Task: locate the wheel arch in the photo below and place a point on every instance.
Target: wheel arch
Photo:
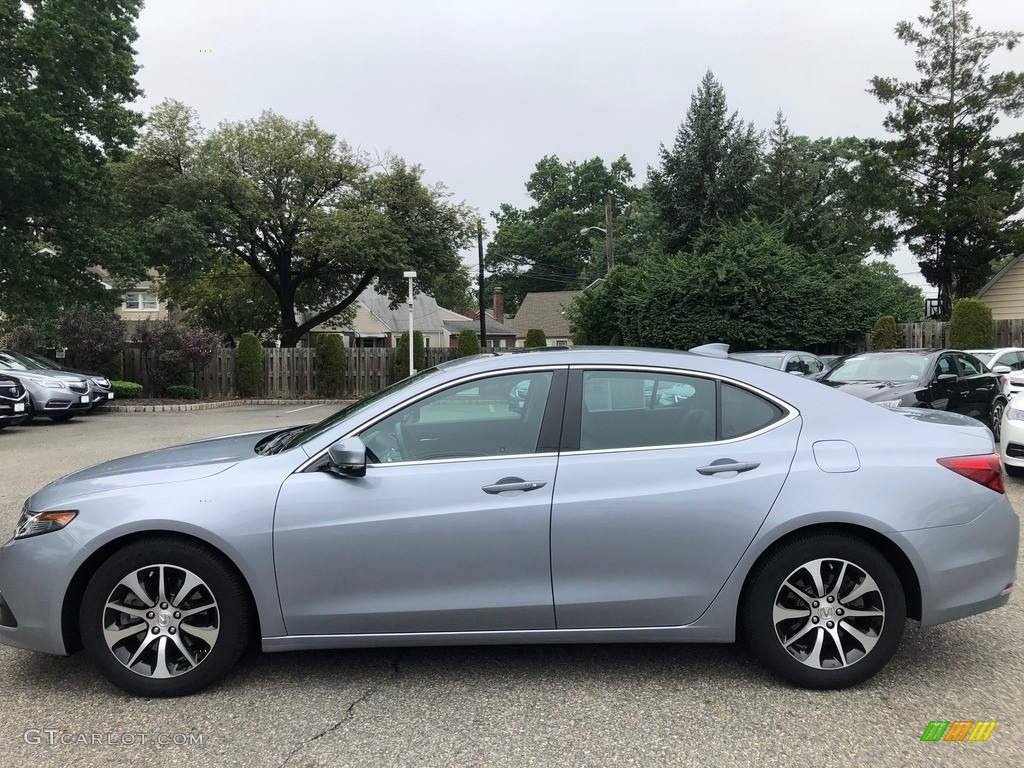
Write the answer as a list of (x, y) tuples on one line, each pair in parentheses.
[(886, 546), (69, 617)]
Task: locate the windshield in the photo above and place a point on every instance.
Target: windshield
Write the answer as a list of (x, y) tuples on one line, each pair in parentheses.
[(299, 435), (41, 361), (880, 367), (18, 362), (767, 359)]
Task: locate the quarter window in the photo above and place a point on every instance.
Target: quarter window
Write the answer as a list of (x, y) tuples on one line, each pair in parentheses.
[(499, 416), (744, 412)]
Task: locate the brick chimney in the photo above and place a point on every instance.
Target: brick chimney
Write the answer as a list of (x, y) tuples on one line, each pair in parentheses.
[(499, 305)]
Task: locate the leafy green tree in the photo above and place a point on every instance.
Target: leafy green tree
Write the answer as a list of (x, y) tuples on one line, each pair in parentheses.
[(22, 338), (970, 327), (535, 337), (419, 355), (287, 203), (468, 343), (250, 365), (706, 176), (67, 74), (543, 248), (885, 334), (955, 186), (330, 364)]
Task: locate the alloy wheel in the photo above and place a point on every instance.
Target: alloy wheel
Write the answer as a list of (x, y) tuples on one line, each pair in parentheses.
[(828, 614)]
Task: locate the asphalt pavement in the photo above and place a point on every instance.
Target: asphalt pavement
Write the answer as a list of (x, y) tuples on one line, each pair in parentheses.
[(593, 705)]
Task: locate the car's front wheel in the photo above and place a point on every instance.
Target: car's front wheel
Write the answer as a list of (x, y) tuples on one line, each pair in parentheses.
[(165, 617), (824, 611), (997, 419)]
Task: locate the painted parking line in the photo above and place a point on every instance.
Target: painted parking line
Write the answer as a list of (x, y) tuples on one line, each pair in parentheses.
[(304, 408)]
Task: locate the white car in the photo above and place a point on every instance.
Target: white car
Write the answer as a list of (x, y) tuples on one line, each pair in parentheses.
[(1011, 436), (1009, 362)]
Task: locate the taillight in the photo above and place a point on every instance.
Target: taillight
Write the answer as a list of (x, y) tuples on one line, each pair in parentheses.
[(986, 470)]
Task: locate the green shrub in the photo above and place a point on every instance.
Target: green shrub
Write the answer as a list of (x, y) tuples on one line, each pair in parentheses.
[(970, 326), (330, 364), (183, 391), (419, 354), (126, 389), (535, 337), (885, 334), (468, 344), (250, 365), (22, 338)]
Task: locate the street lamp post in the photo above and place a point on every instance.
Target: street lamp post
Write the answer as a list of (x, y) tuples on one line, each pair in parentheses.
[(609, 245), (410, 275)]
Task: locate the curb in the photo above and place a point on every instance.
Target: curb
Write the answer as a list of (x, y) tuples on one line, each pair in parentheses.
[(216, 404)]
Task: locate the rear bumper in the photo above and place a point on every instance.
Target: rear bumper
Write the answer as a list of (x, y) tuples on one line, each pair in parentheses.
[(965, 569)]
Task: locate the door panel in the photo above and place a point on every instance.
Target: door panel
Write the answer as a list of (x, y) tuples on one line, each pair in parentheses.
[(643, 538), (416, 548)]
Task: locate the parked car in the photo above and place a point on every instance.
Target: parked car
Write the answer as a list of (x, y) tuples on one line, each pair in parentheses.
[(13, 401), (1008, 362), (57, 394), (943, 379), (100, 390), (763, 506), (801, 363), (1011, 436)]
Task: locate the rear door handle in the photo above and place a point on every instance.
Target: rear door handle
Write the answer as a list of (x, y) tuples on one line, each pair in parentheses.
[(728, 465), (512, 484)]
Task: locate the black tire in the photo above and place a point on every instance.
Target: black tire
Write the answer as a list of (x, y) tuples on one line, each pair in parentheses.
[(842, 663), (61, 416), (1013, 471), (996, 418), (230, 616)]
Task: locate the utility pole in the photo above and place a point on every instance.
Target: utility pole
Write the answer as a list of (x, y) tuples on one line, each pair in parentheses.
[(409, 275), (609, 246), (480, 283)]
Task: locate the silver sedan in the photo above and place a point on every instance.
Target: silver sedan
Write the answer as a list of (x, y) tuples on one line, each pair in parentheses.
[(541, 497)]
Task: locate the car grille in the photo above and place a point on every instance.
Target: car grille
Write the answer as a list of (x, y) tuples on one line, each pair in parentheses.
[(1015, 450), (9, 390), (80, 387)]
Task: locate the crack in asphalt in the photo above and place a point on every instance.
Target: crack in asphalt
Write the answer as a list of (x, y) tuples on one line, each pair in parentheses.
[(350, 711)]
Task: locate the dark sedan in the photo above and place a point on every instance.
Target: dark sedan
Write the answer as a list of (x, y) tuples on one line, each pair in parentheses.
[(13, 402), (943, 379)]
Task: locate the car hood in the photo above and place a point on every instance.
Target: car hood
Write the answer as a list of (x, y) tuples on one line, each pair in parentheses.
[(38, 373), (190, 461), (874, 391)]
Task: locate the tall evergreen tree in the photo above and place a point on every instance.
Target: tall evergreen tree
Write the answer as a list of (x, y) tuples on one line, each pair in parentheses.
[(957, 185), (706, 176)]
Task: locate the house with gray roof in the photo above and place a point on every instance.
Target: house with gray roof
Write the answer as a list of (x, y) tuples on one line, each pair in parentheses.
[(547, 312)]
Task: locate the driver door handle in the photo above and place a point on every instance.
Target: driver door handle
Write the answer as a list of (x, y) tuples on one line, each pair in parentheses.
[(728, 465), (512, 484)]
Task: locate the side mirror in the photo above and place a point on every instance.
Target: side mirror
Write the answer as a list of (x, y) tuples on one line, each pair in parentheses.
[(1002, 369), (347, 458), (946, 378)]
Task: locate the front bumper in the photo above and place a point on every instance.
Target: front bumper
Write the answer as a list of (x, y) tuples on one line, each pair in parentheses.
[(34, 577), (13, 411), (100, 397), (45, 401), (965, 569)]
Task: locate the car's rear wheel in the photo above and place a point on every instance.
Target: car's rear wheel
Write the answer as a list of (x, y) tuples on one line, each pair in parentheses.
[(165, 617), (824, 611)]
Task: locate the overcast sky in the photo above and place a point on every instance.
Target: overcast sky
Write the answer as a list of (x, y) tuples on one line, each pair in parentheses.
[(477, 91)]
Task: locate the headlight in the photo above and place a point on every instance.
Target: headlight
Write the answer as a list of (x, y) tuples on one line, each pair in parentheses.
[(36, 523), (99, 380), (889, 403), (1016, 414), (51, 383)]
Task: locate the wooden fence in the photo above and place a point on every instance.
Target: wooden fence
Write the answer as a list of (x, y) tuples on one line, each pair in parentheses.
[(1006, 333), (288, 372)]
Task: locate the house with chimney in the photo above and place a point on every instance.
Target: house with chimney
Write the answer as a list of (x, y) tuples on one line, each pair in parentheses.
[(499, 335)]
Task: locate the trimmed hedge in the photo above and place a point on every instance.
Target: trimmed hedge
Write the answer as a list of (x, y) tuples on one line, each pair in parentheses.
[(535, 337), (183, 391), (250, 365), (126, 389), (885, 334), (330, 364), (970, 326), (468, 344)]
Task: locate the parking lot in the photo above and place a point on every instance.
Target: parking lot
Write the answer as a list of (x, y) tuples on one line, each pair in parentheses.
[(641, 705)]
